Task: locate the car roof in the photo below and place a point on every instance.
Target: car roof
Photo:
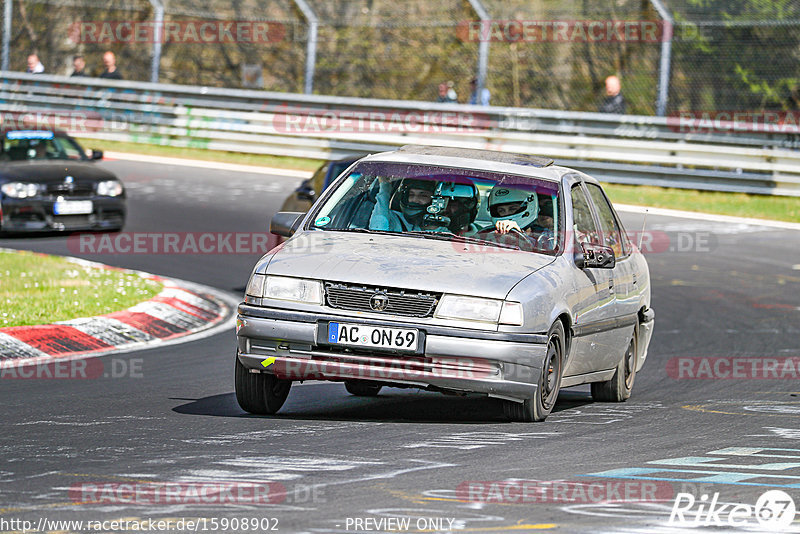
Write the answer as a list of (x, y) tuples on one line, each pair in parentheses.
[(470, 158)]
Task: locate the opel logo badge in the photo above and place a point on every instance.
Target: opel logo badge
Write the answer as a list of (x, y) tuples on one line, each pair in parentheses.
[(379, 302)]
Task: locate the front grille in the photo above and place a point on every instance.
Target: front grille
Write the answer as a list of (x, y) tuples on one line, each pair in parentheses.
[(400, 301), (68, 222), (70, 190)]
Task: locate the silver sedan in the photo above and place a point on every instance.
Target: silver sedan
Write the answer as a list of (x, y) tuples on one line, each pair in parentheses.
[(452, 270)]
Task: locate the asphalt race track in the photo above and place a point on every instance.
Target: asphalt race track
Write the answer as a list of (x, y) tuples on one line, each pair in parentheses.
[(338, 463)]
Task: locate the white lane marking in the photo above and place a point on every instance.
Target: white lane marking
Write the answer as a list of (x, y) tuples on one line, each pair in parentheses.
[(274, 468), (261, 435), (706, 216), (788, 433), (598, 414), (708, 227), (205, 164), (477, 440)]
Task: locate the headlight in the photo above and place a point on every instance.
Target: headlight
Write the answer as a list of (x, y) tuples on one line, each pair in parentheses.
[(20, 189), (109, 188), (285, 288), (478, 309), (255, 287)]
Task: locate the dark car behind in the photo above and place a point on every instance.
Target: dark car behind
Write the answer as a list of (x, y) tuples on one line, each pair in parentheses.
[(310, 189), (47, 183)]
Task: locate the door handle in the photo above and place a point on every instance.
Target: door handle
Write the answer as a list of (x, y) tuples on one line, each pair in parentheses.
[(611, 286)]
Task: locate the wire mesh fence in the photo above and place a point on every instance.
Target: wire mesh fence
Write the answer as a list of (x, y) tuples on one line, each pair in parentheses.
[(542, 53)]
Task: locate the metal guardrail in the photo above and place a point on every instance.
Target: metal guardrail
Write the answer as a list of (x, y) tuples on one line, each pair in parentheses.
[(614, 148)]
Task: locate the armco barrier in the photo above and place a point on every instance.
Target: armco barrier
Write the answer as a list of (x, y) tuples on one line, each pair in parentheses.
[(614, 148)]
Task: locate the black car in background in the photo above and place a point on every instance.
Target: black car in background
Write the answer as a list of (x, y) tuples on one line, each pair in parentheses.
[(47, 183), (310, 189)]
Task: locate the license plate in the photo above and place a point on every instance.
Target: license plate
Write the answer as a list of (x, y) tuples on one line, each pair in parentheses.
[(72, 207), (359, 335)]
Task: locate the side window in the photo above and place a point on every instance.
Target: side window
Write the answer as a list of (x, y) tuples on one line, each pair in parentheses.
[(318, 180), (584, 228), (610, 235), (65, 149)]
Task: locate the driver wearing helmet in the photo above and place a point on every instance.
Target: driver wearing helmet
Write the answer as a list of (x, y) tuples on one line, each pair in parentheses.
[(512, 209), (413, 198)]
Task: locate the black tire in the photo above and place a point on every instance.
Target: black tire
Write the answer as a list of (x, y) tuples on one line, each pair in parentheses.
[(543, 401), (260, 393), (619, 388), (362, 389)]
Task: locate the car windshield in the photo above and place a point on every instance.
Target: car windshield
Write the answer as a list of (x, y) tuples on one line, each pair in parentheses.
[(20, 148), (434, 202)]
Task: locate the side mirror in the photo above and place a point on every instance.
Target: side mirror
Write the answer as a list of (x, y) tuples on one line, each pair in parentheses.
[(595, 257), (304, 192), (97, 154), (285, 223)]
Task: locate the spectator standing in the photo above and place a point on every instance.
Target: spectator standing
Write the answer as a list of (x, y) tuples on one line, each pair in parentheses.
[(442, 93), (614, 102), (34, 65), (79, 66), (452, 96), (474, 98), (110, 63)]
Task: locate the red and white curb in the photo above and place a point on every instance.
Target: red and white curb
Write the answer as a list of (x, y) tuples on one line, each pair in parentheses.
[(182, 311)]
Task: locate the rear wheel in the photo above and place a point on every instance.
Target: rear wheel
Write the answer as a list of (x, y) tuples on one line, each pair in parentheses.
[(540, 406), (260, 393), (619, 388), (362, 389)]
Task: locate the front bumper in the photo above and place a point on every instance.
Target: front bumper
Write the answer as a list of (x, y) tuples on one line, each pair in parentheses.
[(36, 215), (451, 360)]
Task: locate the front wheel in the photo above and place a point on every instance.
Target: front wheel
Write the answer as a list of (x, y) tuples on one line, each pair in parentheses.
[(259, 393), (540, 406), (619, 388)]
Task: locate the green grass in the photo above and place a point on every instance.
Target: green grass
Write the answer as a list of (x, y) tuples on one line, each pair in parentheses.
[(39, 289), (264, 160), (738, 204)]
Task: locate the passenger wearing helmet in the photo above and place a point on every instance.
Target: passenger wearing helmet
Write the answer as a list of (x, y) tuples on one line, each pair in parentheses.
[(453, 208), (412, 197), (512, 209), (543, 226)]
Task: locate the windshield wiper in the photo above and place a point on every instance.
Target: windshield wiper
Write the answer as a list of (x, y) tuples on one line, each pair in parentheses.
[(450, 236), (440, 236), (355, 230)]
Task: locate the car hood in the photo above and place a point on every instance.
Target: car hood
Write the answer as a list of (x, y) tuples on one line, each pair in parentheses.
[(404, 262), (53, 171)]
